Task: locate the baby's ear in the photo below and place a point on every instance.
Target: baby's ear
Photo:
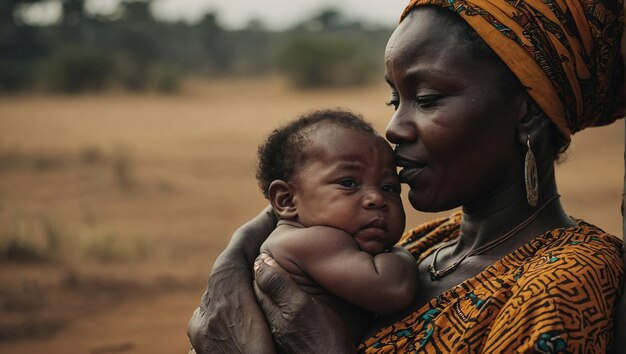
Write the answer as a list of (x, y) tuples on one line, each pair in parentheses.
[(280, 194)]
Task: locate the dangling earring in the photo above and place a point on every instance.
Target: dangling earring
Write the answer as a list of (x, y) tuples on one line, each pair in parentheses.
[(530, 176)]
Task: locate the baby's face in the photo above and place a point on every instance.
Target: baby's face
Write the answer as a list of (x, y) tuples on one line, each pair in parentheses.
[(349, 181)]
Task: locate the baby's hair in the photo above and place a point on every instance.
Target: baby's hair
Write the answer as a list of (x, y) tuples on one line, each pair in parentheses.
[(282, 153)]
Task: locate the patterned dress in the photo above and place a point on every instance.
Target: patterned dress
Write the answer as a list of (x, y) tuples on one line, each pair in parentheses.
[(556, 294)]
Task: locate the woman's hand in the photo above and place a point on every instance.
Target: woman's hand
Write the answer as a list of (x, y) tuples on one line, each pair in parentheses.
[(229, 319), (298, 322)]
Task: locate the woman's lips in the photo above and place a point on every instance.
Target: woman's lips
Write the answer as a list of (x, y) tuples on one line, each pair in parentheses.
[(410, 169), (407, 174)]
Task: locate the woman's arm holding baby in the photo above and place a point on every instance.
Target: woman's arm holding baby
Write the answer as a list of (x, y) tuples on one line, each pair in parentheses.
[(300, 323), (229, 318)]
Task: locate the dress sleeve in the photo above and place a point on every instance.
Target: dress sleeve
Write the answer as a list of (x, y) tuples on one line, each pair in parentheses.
[(563, 300)]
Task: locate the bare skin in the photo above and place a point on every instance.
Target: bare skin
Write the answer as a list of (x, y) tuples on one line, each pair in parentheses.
[(368, 281), (340, 218), (274, 288), (460, 143)]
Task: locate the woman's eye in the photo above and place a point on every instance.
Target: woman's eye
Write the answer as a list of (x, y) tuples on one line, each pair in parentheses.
[(393, 101), (391, 188), (348, 183), (427, 101)]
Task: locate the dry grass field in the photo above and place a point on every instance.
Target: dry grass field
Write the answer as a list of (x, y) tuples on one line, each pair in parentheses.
[(113, 207)]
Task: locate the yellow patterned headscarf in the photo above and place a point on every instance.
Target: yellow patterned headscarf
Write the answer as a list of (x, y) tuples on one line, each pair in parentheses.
[(566, 52)]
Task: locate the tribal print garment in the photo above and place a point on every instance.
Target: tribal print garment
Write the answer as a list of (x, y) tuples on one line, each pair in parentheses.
[(555, 294)]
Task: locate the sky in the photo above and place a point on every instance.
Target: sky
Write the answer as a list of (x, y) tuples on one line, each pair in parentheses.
[(279, 14), (275, 14)]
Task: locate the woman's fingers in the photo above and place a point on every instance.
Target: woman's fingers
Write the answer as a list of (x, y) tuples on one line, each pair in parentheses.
[(274, 281), (278, 294), (229, 320), (298, 322)]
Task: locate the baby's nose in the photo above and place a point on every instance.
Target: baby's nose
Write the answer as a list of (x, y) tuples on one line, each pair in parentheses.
[(373, 198)]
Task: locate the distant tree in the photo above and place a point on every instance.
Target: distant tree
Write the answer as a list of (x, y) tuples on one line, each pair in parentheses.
[(216, 45), (73, 12), (136, 42), (255, 25), (137, 11), (85, 51), (73, 70), (19, 47), (327, 20), (314, 61), (8, 9)]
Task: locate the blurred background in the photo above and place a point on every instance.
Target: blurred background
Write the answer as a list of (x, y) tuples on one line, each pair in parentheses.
[(128, 135)]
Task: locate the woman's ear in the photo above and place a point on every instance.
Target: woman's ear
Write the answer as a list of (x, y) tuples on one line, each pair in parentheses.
[(280, 194), (533, 122)]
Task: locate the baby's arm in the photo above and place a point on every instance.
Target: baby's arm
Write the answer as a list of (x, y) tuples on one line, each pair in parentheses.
[(383, 284)]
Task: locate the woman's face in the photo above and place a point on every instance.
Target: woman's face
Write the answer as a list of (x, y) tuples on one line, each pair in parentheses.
[(455, 128)]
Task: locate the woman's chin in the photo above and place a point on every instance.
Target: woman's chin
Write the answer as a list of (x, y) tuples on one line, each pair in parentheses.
[(428, 204)]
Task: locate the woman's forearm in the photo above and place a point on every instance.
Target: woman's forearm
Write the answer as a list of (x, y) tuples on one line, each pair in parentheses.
[(229, 318), (247, 240)]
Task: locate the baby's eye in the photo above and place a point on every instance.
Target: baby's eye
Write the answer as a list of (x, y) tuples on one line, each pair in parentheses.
[(391, 188), (348, 183)]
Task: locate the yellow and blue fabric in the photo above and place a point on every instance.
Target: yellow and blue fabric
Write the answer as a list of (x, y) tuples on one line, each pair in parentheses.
[(566, 52)]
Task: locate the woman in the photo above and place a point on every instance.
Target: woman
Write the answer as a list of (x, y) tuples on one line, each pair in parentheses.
[(481, 115)]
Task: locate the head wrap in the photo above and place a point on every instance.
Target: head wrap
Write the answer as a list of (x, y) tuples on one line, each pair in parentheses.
[(566, 52)]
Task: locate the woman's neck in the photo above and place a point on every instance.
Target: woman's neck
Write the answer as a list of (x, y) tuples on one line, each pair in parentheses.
[(497, 214)]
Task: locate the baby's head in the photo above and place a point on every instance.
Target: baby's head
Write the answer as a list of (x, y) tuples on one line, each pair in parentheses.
[(331, 168), (284, 150)]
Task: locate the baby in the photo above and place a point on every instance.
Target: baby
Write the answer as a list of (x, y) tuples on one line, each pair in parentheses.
[(332, 182)]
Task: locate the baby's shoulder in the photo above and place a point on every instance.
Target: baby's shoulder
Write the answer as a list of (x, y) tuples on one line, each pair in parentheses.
[(296, 240), (310, 233)]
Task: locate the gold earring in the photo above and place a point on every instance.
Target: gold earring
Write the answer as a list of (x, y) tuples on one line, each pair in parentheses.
[(530, 176)]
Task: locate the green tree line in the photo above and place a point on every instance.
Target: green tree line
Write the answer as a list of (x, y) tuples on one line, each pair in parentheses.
[(136, 51)]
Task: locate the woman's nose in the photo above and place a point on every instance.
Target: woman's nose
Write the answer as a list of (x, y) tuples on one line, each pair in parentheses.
[(373, 198), (401, 128)]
